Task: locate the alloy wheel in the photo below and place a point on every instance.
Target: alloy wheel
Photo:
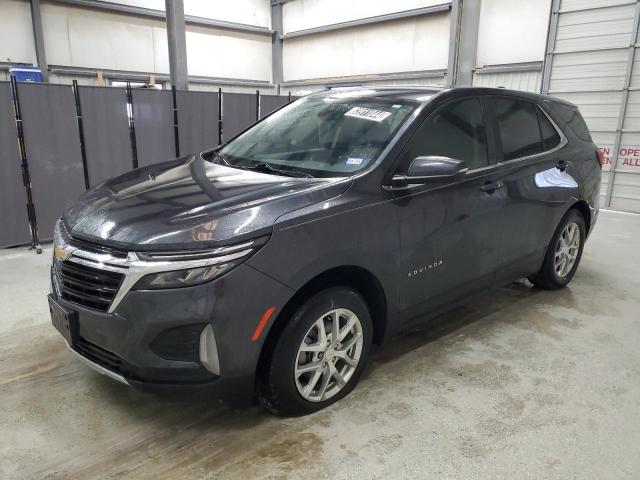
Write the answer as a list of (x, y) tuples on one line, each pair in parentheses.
[(567, 249), (328, 355)]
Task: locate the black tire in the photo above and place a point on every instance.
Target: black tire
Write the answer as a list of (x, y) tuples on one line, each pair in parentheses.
[(547, 278), (278, 391)]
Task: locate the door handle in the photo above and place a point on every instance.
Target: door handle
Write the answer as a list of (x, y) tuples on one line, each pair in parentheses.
[(561, 165), (490, 187)]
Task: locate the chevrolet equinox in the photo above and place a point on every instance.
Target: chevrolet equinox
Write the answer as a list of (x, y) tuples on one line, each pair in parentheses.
[(269, 266)]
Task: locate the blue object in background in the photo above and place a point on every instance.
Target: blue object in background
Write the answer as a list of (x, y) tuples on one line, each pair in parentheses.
[(26, 74)]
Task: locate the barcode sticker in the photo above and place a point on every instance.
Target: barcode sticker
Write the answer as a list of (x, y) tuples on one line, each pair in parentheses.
[(367, 114)]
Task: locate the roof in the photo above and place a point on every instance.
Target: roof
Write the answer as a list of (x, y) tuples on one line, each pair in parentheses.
[(421, 93)]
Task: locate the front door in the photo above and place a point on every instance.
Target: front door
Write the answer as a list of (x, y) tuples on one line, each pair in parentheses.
[(448, 230)]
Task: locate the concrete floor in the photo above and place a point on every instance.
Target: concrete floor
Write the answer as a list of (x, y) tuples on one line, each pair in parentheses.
[(521, 384)]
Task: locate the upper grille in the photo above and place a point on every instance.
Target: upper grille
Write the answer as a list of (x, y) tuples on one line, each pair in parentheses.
[(87, 286)]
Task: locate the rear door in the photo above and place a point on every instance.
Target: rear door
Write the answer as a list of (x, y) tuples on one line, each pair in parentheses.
[(537, 182)]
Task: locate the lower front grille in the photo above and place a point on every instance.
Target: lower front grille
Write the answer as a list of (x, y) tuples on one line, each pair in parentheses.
[(87, 286), (179, 343), (98, 355)]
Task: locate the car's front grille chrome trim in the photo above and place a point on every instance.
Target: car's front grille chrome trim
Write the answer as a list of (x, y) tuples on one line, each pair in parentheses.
[(138, 264)]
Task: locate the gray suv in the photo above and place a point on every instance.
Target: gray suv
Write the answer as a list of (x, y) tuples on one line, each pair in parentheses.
[(269, 266)]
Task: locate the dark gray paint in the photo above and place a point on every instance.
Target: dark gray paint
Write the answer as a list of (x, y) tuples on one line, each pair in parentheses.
[(198, 121), (106, 132), (53, 150), (238, 112), (153, 115), (269, 103), (13, 200)]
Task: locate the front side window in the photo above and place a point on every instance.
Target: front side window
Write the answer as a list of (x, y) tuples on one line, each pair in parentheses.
[(331, 136), (518, 126), (456, 130)]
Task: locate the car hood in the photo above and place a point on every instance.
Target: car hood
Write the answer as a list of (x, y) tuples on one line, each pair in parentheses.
[(190, 203)]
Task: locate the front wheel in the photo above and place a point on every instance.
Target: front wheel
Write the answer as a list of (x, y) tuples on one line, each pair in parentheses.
[(563, 253), (319, 355)]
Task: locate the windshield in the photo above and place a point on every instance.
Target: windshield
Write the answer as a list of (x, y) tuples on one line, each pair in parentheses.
[(320, 137)]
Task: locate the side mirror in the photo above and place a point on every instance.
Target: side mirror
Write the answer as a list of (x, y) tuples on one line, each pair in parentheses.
[(431, 169)]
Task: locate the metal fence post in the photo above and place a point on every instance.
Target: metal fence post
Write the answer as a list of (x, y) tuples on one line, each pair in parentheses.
[(83, 150), (257, 105), (176, 136), (132, 127), (26, 178), (219, 116)]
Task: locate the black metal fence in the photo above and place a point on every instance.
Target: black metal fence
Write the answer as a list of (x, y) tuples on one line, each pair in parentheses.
[(58, 140)]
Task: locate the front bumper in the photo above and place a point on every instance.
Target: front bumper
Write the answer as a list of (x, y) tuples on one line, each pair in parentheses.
[(123, 344)]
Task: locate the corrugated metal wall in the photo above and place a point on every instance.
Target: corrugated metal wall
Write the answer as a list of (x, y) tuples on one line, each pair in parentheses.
[(593, 63), (528, 81)]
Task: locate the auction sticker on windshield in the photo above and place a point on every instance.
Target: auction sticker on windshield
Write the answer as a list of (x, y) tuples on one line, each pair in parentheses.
[(367, 114)]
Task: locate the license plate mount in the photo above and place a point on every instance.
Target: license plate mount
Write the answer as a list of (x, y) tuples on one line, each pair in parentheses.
[(65, 321)]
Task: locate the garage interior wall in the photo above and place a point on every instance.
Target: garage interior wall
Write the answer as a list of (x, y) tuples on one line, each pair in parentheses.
[(593, 62), (511, 44)]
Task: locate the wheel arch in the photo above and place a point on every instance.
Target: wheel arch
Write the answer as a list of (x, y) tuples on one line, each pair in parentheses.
[(358, 278), (585, 210)]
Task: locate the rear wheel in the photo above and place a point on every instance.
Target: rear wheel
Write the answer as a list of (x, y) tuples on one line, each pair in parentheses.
[(319, 355), (563, 253)]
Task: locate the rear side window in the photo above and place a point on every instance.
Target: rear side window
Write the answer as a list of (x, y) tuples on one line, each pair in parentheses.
[(518, 125), (550, 136), (456, 131), (571, 117)]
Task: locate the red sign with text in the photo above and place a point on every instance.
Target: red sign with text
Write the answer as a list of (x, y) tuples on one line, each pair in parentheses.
[(628, 157)]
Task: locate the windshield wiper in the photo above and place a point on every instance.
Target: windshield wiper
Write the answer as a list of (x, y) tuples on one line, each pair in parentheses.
[(268, 168)]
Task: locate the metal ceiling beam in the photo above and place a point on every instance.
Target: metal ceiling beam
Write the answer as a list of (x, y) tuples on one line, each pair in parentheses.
[(38, 39), (418, 12), (159, 14), (359, 79), (511, 68), (177, 42)]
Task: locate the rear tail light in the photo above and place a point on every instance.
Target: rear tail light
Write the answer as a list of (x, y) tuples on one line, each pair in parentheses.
[(600, 156)]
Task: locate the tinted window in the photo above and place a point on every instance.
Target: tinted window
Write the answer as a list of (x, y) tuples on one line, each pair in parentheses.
[(550, 137), (518, 124), (571, 117), (456, 131)]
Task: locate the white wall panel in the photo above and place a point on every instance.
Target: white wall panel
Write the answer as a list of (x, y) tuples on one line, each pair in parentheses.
[(420, 43), (595, 29), (250, 12), (220, 53), (588, 71), (512, 31), (88, 38), (303, 14), (569, 5), (528, 81), (16, 39)]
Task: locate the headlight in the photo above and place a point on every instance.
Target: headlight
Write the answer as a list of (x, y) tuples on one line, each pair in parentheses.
[(182, 278), (185, 269)]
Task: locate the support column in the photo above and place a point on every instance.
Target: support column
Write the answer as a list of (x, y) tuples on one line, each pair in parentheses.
[(276, 44), (38, 39), (463, 44), (177, 44)]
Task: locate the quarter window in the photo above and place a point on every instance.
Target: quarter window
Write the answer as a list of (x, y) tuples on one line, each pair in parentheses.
[(456, 131), (518, 125), (550, 137)]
